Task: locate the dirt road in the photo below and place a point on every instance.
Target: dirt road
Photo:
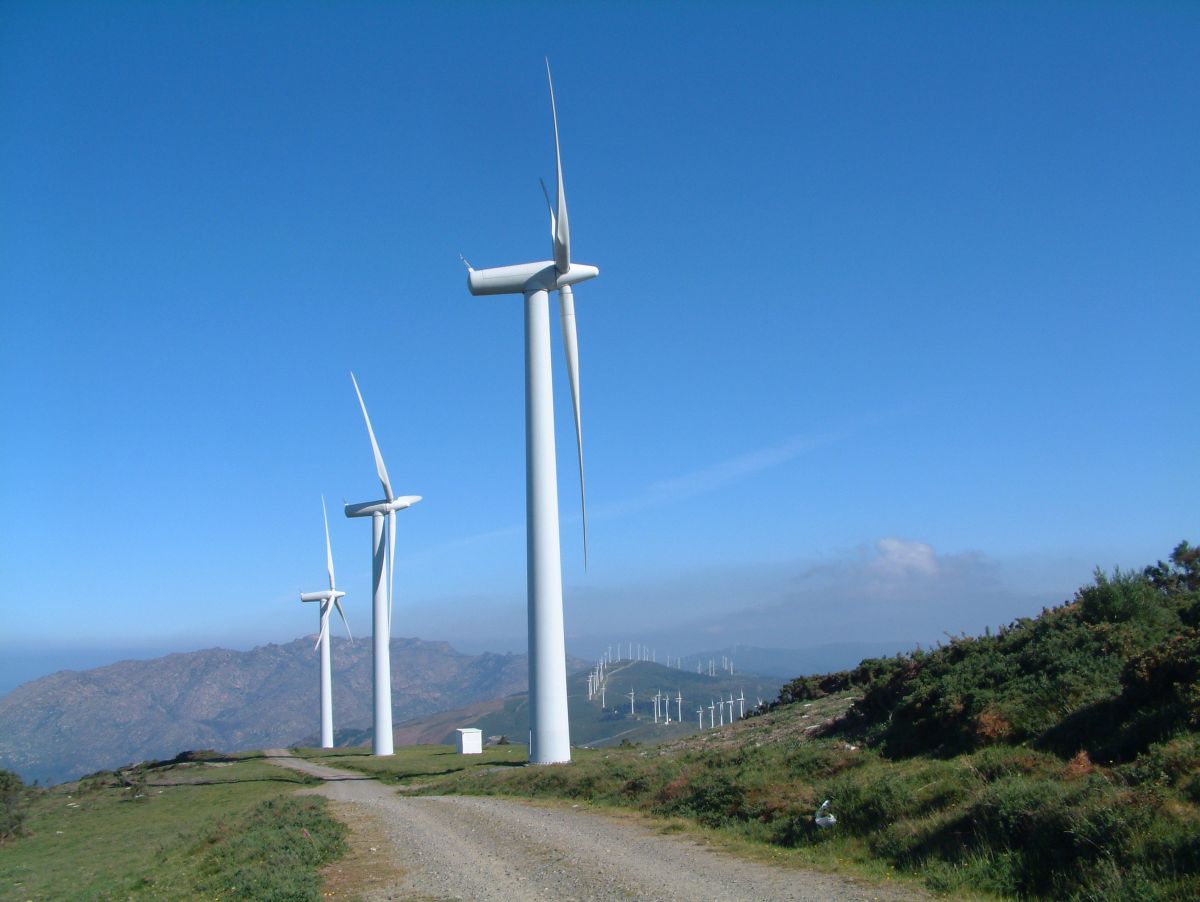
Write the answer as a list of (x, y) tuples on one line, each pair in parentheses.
[(461, 847)]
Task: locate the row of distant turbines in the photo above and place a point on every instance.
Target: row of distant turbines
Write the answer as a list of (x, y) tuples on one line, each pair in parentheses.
[(597, 682), (637, 652), (549, 730)]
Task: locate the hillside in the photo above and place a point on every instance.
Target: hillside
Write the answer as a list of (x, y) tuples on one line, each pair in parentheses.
[(593, 725), (1058, 758), (74, 722), (1107, 674)]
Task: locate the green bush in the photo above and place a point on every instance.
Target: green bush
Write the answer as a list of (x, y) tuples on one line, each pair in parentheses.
[(12, 804)]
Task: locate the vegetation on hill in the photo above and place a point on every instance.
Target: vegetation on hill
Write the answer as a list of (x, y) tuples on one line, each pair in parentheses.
[(1109, 674), (12, 805), (1058, 758)]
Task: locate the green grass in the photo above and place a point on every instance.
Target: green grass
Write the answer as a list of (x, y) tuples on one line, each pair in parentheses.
[(199, 830)]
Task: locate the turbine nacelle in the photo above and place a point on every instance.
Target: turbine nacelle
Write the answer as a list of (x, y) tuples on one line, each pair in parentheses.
[(527, 277), (370, 508), (327, 595)]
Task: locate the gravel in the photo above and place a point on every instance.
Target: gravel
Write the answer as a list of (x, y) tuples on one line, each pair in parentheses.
[(463, 847)]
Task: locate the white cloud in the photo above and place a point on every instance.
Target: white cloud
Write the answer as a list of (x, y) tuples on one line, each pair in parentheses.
[(901, 557)]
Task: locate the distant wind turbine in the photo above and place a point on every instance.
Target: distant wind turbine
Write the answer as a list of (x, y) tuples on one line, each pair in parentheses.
[(381, 619), (329, 599), (550, 735)]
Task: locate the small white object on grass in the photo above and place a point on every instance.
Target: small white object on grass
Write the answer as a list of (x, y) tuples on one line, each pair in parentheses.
[(823, 818)]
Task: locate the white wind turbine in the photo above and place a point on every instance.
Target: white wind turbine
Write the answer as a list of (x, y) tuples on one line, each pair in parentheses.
[(549, 730), (329, 599), (381, 611)]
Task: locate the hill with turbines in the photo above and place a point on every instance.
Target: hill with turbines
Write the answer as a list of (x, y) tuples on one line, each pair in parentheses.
[(74, 722), (595, 724)]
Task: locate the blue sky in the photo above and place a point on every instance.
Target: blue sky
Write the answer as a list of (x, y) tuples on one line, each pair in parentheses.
[(894, 332)]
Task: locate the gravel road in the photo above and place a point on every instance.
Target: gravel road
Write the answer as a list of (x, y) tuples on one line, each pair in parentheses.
[(462, 847)]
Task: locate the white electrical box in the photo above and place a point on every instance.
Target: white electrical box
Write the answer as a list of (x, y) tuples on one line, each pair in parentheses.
[(470, 741)]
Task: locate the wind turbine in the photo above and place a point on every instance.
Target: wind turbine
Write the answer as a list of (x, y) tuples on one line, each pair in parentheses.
[(549, 729), (329, 599), (381, 612)]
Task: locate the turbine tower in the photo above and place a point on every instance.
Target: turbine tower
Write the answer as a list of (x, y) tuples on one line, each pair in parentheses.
[(381, 613), (329, 599), (549, 730)]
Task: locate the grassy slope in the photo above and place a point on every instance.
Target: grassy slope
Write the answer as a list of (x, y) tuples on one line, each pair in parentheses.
[(199, 830)]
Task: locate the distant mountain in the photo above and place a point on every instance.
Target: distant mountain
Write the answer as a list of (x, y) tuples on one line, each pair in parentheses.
[(74, 722)]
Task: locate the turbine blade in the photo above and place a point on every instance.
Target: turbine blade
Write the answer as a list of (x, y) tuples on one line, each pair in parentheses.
[(325, 608), (379, 467), (328, 547), (549, 206), (566, 306), (391, 566), (562, 228), (338, 603)]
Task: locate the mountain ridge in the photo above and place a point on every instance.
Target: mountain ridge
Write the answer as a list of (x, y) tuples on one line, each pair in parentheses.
[(70, 723)]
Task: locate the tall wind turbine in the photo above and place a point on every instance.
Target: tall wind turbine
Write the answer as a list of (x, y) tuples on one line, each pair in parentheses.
[(329, 599), (549, 730), (381, 614)]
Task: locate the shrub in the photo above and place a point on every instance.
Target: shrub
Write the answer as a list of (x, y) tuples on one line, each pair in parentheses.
[(12, 804)]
